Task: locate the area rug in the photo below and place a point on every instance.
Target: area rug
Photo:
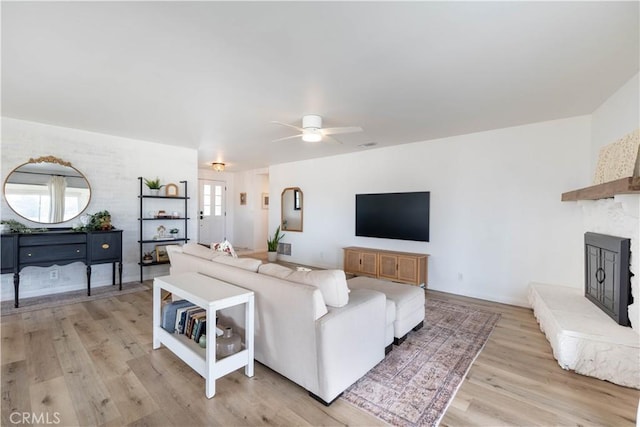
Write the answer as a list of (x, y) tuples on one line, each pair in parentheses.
[(64, 298), (415, 383)]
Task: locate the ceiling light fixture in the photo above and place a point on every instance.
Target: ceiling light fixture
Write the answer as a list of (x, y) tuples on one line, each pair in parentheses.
[(312, 135), (217, 166)]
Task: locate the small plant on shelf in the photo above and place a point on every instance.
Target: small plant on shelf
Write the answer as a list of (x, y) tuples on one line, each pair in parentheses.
[(174, 233), (153, 184), (147, 257)]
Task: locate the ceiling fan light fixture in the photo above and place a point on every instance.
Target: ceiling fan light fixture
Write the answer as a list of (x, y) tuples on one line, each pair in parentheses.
[(217, 166), (312, 135)]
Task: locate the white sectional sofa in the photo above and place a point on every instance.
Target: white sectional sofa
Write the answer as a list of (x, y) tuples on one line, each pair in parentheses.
[(308, 326)]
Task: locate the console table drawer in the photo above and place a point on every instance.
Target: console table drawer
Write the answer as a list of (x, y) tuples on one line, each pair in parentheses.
[(105, 246), (52, 239), (52, 253)]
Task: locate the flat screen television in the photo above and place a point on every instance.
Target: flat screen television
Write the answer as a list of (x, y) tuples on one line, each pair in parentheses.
[(403, 216)]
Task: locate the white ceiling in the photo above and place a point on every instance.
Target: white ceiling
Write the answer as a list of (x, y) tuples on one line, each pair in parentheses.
[(212, 75)]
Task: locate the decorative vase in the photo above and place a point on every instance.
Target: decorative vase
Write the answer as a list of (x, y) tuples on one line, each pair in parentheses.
[(272, 256), (227, 344), (203, 341)]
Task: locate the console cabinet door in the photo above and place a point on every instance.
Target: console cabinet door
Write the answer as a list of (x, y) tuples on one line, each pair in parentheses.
[(359, 262), (369, 263), (105, 246), (388, 266), (408, 269), (352, 261)]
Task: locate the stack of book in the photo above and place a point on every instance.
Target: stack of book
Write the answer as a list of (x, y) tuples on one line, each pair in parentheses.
[(183, 317)]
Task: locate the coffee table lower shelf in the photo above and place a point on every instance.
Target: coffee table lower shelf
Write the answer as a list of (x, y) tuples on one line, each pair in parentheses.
[(195, 356)]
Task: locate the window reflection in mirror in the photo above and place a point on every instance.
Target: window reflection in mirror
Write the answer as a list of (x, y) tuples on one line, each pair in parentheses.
[(292, 208), (47, 191)]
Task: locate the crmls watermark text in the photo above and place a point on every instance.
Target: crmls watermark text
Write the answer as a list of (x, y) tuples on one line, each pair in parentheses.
[(34, 418)]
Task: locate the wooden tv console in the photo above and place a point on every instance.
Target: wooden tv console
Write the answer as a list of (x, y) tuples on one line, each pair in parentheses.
[(402, 267)]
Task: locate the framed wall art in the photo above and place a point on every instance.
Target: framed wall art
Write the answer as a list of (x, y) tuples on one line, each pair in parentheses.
[(161, 253), (171, 190)]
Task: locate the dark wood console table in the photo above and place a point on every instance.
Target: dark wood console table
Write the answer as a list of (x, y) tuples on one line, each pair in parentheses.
[(61, 247)]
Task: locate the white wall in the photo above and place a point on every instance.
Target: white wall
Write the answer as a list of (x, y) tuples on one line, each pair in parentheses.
[(112, 166), (616, 117), (496, 223), (250, 220)]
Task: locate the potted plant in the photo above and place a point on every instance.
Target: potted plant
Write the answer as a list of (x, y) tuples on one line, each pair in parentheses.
[(174, 233), (154, 186), (100, 221), (272, 245)]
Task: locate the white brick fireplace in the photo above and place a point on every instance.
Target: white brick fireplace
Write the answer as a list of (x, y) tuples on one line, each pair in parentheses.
[(583, 338), (619, 216)]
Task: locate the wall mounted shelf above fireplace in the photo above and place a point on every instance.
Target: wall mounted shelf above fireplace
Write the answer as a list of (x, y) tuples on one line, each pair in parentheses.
[(629, 185)]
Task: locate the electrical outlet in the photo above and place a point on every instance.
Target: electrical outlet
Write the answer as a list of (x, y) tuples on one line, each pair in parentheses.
[(53, 275)]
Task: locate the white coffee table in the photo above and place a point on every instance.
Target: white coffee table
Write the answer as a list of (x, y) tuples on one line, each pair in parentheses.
[(212, 295)]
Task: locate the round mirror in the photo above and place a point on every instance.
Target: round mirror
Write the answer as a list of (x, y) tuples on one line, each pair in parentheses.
[(291, 219), (47, 190)]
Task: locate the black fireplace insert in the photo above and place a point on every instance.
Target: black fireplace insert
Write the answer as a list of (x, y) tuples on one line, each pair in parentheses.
[(607, 275)]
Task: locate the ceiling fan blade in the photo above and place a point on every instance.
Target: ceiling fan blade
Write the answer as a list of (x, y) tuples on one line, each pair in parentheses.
[(335, 131), (290, 126), (331, 140), (286, 137)]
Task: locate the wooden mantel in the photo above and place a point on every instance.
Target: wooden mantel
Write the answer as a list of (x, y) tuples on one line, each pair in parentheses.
[(629, 185)]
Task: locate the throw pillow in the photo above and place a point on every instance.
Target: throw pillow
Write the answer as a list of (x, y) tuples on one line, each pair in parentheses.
[(332, 284), (225, 247)]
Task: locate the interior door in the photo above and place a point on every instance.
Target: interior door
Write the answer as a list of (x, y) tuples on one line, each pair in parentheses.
[(212, 211)]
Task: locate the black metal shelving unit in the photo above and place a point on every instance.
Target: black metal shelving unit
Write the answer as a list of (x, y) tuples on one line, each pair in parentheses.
[(142, 219)]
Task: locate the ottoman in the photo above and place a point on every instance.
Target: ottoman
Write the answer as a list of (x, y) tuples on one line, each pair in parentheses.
[(390, 318), (408, 299)]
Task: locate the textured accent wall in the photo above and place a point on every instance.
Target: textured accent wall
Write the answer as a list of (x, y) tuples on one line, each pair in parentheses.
[(112, 165)]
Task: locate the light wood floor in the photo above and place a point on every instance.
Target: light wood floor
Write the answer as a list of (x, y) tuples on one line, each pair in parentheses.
[(91, 363)]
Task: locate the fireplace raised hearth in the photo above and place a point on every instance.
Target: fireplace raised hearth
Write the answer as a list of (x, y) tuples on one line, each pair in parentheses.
[(607, 274)]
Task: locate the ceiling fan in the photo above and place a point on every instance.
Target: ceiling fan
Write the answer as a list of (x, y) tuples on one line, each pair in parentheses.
[(312, 131)]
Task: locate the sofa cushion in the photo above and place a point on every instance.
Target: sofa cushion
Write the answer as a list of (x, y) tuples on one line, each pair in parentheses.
[(332, 284), (275, 270), (250, 264), (198, 250)]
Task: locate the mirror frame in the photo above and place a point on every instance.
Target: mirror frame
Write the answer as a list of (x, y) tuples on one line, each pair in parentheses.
[(47, 159), (296, 208)]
